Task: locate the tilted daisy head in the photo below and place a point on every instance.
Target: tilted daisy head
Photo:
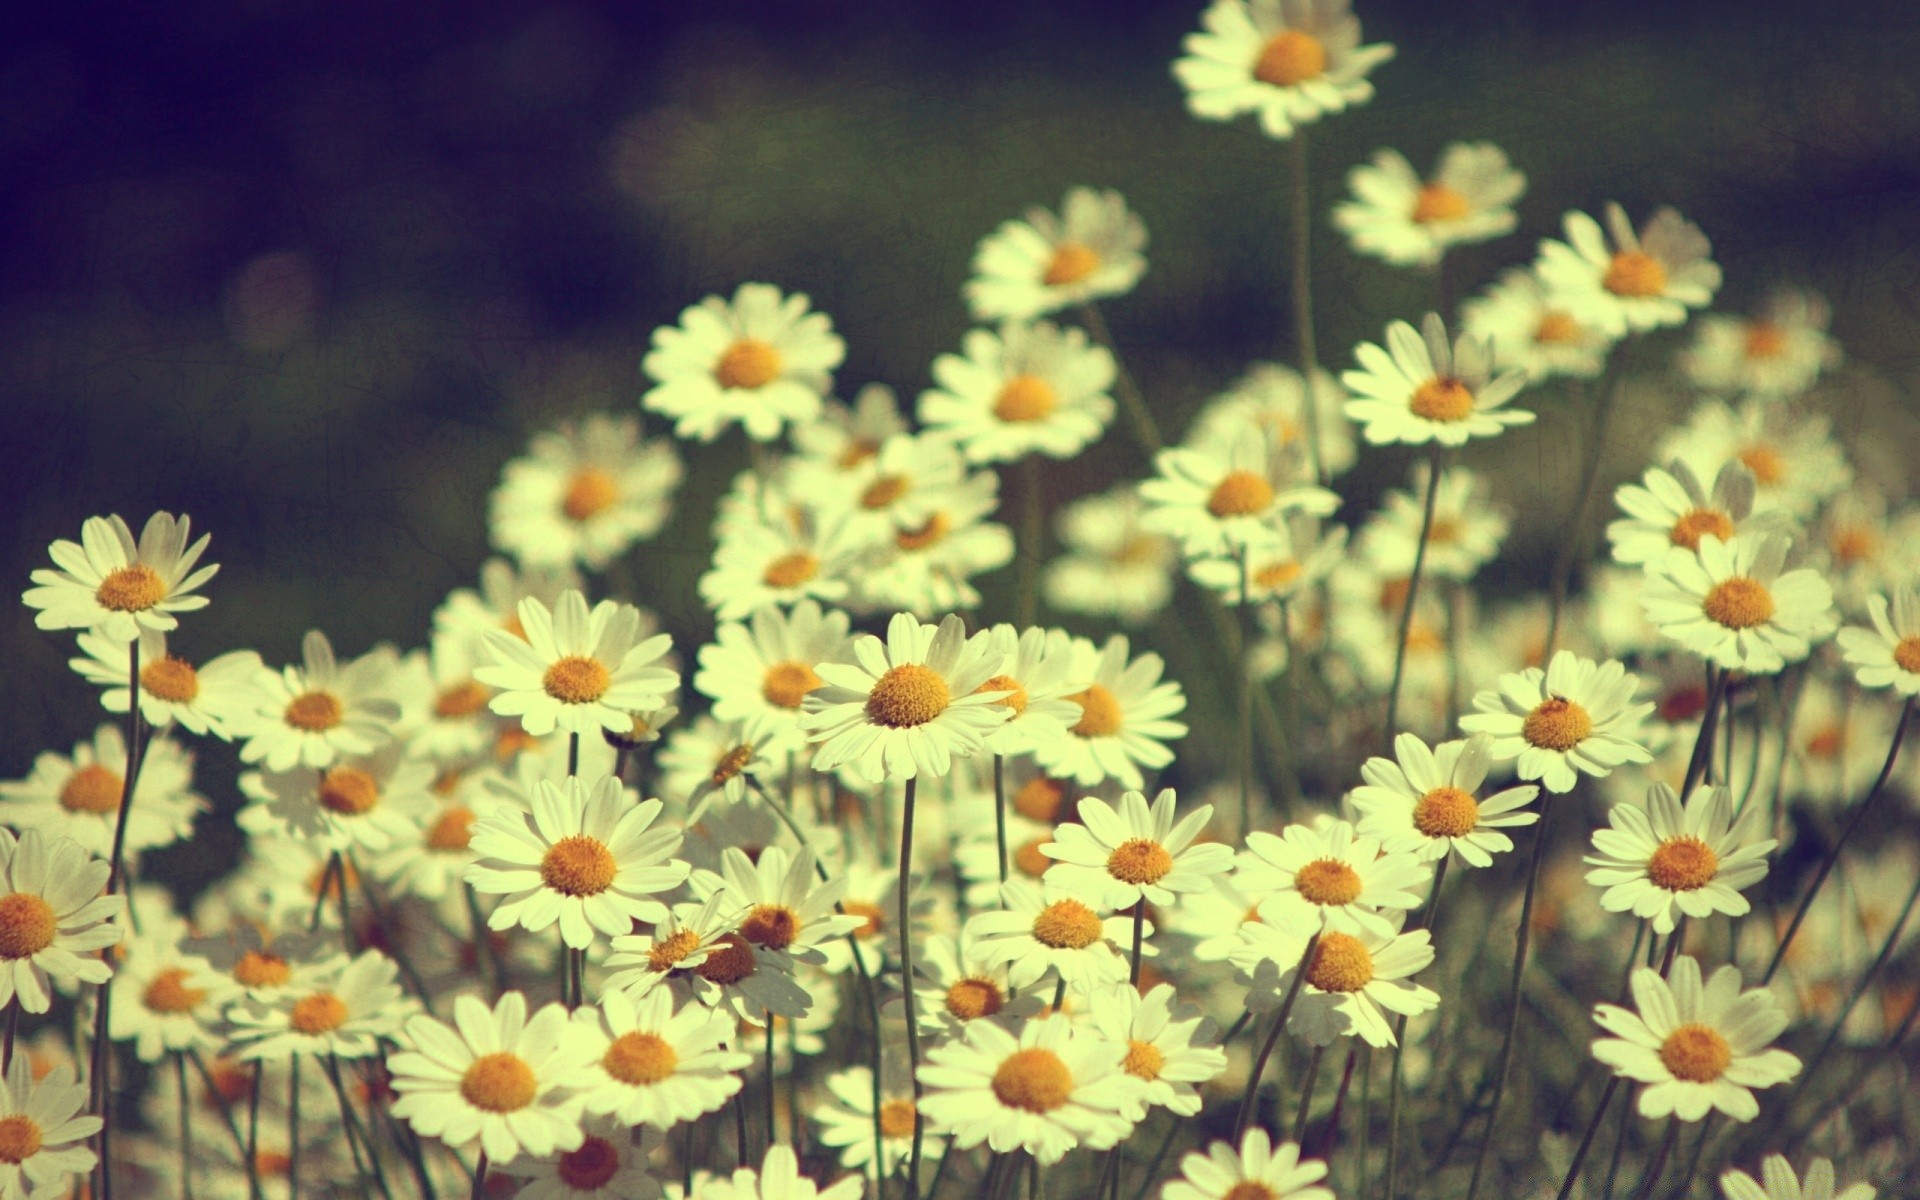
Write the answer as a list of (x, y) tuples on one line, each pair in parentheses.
[(1311, 878), (1778, 1182), (653, 1064), (1734, 604), (762, 359), (1777, 353), (1226, 496), (1023, 389), (1576, 716), (1038, 932), (1796, 462), (1027, 268), (760, 672), (577, 670), (1351, 977), (1289, 61), (1125, 719), (1257, 1170), (1665, 859), (1397, 216), (1171, 1048), (1668, 508), (114, 586), (313, 714), (52, 915), (1888, 655), (1422, 388), (344, 1009), (1427, 801), (1627, 280), (42, 1129), (1136, 852), (1698, 1047), (584, 493), (199, 697)]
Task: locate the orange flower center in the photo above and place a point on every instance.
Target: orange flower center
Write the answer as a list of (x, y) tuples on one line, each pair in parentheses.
[(970, 999), (1031, 860), (1289, 58), (731, 763), (1438, 202), (461, 700), (315, 712), (257, 969), (1139, 861), (1768, 465), (19, 1139), (1066, 925), (1556, 723), (670, 950), (884, 491), (322, 1012), (1635, 273), (1556, 328), (591, 1167), (730, 961), (169, 993), (910, 694), (1275, 576), (1765, 340), (93, 789), (1327, 881), (131, 589), (1016, 695), (640, 1058), (1906, 655), (748, 363), (499, 1083), (1100, 714), (452, 830), (937, 526), (1248, 1189), (1341, 963), (1854, 544), (577, 679), (873, 918), (1240, 494), (27, 925), (348, 791), (171, 679), (896, 1118), (1442, 400), (578, 866), (1033, 1080), (1025, 398), (590, 492), (774, 926), (1694, 525), (1696, 1054), (1143, 1060), (1071, 262), (1038, 799), (1739, 603), (786, 684), (790, 570), (1683, 864), (1446, 812)]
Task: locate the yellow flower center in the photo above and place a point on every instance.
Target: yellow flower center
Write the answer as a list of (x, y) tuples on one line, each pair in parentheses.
[(1683, 864), (858, 451), (786, 684), (171, 679), (666, 952), (27, 925), (19, 1139), (873, 918), (591, 1167), (1240, 494), (1016, 695), (1446, 812), (1026, 398), (1768, 465), (1635, 273), (937, 526), (1327, 881), (1739, 603), (92, 789), (169, 993), (1039, 798), (499, 1083), (257, 969), (1442, 400), (1906, 655), (1556, 723), (322, 1012), (315, 712), (1139, 861), (1696, 1054), (910, 694), (1341, 963), (1143, 1060), (1030, 859), (1698, 523), (1100, 714), (790, 570), (1438, 202), (1854, 544), (1066, 925), (896, 1118), (578, 866), (1289, 58), (730, 961), (773, 926), (1275, 576), (577, 679), (731, 763), (131, 589), (1248, 1189), (640, 1058), (1033, 1080), (748, 363), (1071, 262), (452, 830), (884, 491), (1556, 328), (590, 492), (348, 791), (461, 700), (1765, 340), (970, 999)]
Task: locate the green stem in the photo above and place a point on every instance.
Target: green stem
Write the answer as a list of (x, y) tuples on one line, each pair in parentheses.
[(1435, 465), (1302, 280), (1248, 1101)]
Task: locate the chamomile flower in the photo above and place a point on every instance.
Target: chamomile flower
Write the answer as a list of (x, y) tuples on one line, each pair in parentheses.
[(495, 1080), (1351, 978), (1221, 498), (576, 670), (1327, 878), (908, 705), (710, 761), (467, 613), (1023, 389), (1135, 853), (1047, 1090), (1111, 565), (778, 1178), (1795, 462), (612, 1162), (1778, 1182), (172, 690), (1422, 388), (759, 673), (1577, 715), (344, 1011), (584, 493), (1304, 553), (1274, 398), (1410, 222), (43, 1131), (1426, 801), (762, 360), (1888, 655), (1733, 604), (1034, 681), (1170, 1048), (678, 944), (52, 916), (1288, 61), (1642, 280), (1027, 268), (775, 557), (1778, 353), (169, 1000), (453, 724), (313, 714), (1466, 532), (1669, 508), (1698, 1047), (844, 437), (1037, 933), (929, 567), (111, 585), (1125, 719), (652, 1065), (1694, 861), (784, 907), (846, 1123), (1258, 1169), (1534, 329), (368, 802), (79, 797), (961, 983)]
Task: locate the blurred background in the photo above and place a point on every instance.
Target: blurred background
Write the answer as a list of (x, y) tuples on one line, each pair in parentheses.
[(312, 273)]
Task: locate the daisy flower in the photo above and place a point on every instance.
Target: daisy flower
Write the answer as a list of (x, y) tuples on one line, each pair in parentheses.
[(1047, 1090), (612, 1162), (1466, 532), (701, 953), (1888, 655), (584, 493), (1353, 976), (678, 944), (1303, 553), (759, 673), (343, 1012), (651, 1065), (1274, 397), (453, 724), (846, 1123), (961, 983), (1422, 388), (586, 857), (1259, 1170), (1778, 353), (1732, 603), (169, 1000), (1170, 1048), (1534, 329), (762, 360), (368, 802), (1778, 1182), (778, 1178), (1110, 564), (1795, 461), (1027, 268), (200, 699), (1289, 61), (929, 568), (114, 587), (775, 559), (43, 1131), (79, 797), (784, 907), (1034, 683), (52, 916), (430, 860), (1697, 1047), (1137, 853), (1221, 498), (711, 760), (1696, 860), (1577, 715), (1669, 508), (1327, 878), (1042, 930), (467, 613), (1125, 717), (1427, 802), (313, 714), (908, 705), (495, 1080), (1642, 281), (1409, 222), (844, 436), (902, 488), (1025, 389), (577, 670)]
